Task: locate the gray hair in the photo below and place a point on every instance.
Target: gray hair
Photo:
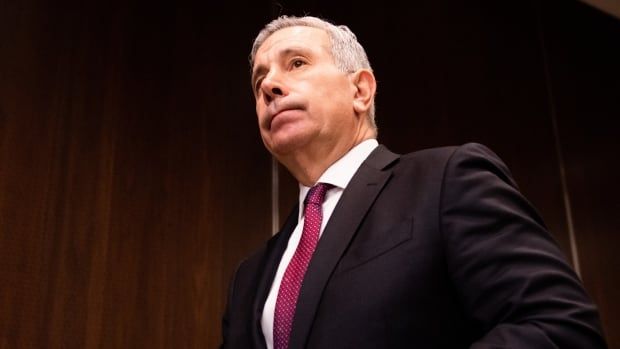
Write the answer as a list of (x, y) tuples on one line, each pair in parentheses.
[(349, 55)]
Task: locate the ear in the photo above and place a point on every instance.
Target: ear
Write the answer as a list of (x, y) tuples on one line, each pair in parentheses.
[(365, 87)]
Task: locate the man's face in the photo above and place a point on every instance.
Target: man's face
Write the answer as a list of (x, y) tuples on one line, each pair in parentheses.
[(302, 99)]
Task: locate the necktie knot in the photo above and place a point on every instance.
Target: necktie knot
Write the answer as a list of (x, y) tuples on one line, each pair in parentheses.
[(316, 195)]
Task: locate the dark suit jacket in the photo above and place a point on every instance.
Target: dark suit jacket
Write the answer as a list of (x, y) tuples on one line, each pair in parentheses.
[(433, 249)]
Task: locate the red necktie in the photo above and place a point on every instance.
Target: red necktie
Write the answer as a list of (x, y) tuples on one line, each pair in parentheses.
[(294, 274)]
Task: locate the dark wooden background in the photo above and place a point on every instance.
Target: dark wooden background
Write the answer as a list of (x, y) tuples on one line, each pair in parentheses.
[(133, 178)]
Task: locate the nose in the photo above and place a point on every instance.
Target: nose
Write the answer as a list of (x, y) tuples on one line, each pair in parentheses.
[(272, 87)]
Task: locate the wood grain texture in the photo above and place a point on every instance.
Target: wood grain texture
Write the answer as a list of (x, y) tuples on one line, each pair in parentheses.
[(130, 166), (133, 178)]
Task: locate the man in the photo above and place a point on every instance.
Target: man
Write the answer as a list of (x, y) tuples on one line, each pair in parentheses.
[(433, 249)]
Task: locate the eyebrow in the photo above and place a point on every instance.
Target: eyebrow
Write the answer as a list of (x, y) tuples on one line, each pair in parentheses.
[(287, 52)]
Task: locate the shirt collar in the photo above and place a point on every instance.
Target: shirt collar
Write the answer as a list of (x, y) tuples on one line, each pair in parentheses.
[(339, 174)]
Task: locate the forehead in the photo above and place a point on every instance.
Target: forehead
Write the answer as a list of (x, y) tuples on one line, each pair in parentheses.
[(291, 37)]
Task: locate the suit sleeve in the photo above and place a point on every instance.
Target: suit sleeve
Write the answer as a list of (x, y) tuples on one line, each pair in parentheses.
[(514, 283)]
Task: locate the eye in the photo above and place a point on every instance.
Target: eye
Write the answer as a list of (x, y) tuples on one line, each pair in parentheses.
[(297, 63)]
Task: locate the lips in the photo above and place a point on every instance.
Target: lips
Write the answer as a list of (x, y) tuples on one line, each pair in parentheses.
[(281, 118), (282, 111), (280, 106)]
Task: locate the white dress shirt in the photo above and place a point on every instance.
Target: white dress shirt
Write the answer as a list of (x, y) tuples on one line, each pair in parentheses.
[(339, 174)]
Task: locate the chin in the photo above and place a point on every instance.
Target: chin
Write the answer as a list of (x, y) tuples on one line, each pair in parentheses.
[(283, 146)]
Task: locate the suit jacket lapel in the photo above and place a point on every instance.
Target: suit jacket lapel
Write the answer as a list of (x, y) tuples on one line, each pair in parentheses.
[(273, 254), (355, 201)]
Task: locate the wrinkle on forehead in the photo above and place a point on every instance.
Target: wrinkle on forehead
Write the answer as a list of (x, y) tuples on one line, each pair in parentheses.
[(299, 36)]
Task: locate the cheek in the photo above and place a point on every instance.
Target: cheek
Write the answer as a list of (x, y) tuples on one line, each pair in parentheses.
[(260, 111), (259, 106)]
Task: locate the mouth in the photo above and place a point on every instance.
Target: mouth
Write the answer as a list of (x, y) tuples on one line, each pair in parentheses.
[(277, 109), (280, 117), (280, 112)]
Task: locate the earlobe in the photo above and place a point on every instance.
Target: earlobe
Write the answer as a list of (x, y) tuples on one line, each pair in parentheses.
[(366, 85)]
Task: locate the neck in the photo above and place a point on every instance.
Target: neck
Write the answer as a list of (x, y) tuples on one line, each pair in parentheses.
[(308, 165)]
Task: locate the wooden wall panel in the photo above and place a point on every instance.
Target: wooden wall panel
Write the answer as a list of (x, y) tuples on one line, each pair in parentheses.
[(584, 51), (128, 147), (128, 153)]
